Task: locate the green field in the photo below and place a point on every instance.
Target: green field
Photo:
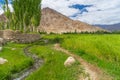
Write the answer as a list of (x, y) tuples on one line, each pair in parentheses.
[(53, 68), (102, 50), (17, 60)]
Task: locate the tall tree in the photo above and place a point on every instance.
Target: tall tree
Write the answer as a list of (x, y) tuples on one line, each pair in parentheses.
[(26, 14)]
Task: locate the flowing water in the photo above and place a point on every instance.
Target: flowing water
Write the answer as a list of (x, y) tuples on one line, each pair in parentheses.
[(37, 64)]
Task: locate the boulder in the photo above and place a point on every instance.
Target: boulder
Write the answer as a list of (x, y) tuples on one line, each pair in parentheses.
[(1, 48), (69, 62), (8, 34), (2, 60), (13, 49), (1, 40)]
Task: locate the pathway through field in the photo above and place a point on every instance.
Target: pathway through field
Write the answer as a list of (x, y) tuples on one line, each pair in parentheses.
[(94, 72)]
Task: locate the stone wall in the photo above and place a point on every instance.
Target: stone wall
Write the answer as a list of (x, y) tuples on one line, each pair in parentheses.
[(18, 37), (1, 33), (8, 34), (26, 38)]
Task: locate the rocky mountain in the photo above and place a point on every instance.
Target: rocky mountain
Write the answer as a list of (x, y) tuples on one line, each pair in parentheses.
[(114, 27), (55, 22)]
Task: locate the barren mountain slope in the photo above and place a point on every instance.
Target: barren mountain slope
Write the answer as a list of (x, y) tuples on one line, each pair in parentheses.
[(53, 21)]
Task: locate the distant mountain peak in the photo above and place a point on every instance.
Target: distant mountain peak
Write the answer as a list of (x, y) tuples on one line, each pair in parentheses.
[(55, 22), (113, 27)]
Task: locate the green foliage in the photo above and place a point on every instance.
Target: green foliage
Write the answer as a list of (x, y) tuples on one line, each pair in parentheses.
[(42, 32), (53, 68), (26, 15), (86, 32), (101, 50), (17, 60), (116, 32)]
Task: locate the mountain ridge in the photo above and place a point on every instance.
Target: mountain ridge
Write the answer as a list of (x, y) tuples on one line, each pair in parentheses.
[(113, 27), (55, 22)]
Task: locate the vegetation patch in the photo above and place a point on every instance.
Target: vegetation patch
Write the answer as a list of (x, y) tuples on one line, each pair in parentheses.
[(17, 60), (53, 68), (101, 50)]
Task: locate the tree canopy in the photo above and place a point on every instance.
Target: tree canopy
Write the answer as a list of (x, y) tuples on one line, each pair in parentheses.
[(26, 15)]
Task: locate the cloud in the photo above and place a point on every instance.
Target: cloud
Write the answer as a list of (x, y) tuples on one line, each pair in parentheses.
[(89, 11), (2, 11), (9, 5)]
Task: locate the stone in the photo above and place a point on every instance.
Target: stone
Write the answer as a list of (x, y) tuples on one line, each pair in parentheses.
[(8, 34), (1, 49), (3, 61), (1, 40), (13, 49), (69, 61)]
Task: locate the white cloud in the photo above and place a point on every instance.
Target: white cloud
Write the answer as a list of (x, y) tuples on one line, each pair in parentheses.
[(102, 11), (2, 11)]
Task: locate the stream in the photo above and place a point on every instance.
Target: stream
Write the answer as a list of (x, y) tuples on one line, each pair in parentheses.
[(36, 65)]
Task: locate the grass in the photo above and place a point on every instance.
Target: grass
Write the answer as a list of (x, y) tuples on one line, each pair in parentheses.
[(53, 68), (17, 60), (102, 50)]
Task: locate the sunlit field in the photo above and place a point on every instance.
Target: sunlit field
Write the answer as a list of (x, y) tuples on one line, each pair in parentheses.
[(53, 67), (17, 60), (102, 50)]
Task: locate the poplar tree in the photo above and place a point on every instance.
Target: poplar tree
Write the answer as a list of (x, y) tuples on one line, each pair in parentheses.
[(26, 15)]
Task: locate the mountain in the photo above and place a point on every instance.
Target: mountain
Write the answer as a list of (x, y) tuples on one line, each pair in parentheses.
[(55, 22), (114, 27)]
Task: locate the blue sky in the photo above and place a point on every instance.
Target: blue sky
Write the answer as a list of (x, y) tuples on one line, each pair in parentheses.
[(3, 1), (89, 11)]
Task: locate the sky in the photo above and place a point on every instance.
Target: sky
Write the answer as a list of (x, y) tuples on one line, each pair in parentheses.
[(90, 11), (3, 2), (104, 12)]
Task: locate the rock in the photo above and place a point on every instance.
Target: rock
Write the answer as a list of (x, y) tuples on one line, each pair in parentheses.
[(46, 41), (69, 62), (1, 40), (8, 34), (13, 49), (1, 49), (2, 60)]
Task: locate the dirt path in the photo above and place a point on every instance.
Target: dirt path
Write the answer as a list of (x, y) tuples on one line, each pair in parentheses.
[(94, 72), (37, 63)]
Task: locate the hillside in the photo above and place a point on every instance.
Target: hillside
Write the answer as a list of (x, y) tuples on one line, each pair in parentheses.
[(53, 21), (114, 27)]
